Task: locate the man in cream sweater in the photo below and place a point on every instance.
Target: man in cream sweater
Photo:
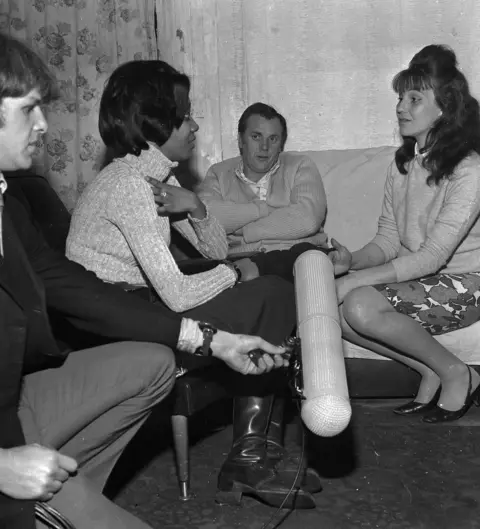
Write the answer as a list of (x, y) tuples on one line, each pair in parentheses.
[(266, 199)]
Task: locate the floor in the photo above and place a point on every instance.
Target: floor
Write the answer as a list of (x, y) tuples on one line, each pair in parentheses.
[(384, 471)]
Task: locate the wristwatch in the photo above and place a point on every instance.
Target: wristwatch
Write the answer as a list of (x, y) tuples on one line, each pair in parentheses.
[(238, 271), (208, 332), (235, 268)]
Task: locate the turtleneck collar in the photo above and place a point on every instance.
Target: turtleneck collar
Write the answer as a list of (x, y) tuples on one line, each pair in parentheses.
[(152, 162)]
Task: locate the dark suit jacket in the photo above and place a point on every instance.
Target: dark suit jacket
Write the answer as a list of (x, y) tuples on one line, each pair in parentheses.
[(34, 281)]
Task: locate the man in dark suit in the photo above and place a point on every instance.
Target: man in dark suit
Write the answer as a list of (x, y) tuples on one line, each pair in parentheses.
[(67, 416)]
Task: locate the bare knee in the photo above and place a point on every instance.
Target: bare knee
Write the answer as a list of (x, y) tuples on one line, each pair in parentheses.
[(362, 308)]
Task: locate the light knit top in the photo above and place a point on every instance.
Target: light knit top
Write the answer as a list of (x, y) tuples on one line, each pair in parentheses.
[(117, 233), (426, 229), (294, 209)]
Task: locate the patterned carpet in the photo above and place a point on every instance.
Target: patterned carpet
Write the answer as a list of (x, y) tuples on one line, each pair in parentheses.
[(384, 472)]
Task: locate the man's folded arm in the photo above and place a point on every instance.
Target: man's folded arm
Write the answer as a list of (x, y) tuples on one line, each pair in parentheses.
[(231, 215), (303, 217)]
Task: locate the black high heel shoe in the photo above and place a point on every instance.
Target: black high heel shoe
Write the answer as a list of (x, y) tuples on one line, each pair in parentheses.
[(440, 415), (413, 407)]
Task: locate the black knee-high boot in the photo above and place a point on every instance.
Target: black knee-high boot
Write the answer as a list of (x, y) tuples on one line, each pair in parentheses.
[(278, 455), (247, 469)]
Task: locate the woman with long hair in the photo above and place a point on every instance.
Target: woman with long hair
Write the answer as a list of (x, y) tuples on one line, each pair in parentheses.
[(420, 275)]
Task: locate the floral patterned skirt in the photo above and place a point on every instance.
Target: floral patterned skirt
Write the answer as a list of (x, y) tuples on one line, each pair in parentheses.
[(440, 303)]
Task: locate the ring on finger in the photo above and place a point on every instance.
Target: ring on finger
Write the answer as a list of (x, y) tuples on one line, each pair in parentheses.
[(163, 194)]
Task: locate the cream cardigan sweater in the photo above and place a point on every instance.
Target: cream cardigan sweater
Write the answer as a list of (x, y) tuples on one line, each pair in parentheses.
[(426, 229), (293, 212)]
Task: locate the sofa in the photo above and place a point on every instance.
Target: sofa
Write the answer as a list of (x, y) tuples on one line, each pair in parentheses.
[(354, 181)]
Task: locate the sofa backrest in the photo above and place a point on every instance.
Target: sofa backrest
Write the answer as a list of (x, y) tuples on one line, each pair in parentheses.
[(354, 180)]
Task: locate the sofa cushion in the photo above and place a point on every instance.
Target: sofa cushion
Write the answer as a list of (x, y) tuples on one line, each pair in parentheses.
[(354, 180)]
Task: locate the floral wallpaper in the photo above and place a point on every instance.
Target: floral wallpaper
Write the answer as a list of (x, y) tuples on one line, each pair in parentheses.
[(82, 41)]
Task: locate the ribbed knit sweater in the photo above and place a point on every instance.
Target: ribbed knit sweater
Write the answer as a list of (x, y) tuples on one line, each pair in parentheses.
[(117, 234), (426, 229), (293, 212)]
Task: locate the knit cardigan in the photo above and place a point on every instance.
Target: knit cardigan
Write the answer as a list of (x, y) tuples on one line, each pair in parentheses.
[(428, 229), (293, 212)]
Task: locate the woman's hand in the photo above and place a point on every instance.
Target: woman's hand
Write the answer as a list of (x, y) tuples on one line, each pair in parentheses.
[(174, 199), (341, 258), (235, 349), (33, 472), (346, 284), (248, 269)]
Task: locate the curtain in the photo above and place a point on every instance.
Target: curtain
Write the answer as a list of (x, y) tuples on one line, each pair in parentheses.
[(326, 65), (82, 41)]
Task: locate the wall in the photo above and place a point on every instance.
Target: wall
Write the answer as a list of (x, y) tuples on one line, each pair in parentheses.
[(325, 64)]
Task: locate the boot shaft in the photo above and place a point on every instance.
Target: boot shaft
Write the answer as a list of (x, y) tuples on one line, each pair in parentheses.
[(251, 418)]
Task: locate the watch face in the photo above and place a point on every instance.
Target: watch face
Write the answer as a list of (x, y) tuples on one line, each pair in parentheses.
[(207, 328), (208, 331)]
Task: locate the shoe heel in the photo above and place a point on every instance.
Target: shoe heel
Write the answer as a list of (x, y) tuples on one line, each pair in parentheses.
[(231, 497)]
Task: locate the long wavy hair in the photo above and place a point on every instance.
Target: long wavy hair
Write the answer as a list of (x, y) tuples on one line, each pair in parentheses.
[(456, 133)]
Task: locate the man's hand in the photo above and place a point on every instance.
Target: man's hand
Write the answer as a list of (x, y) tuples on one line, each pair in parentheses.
[(248, 268), (341, 258), (33, 472), (234, 350), (174, 199)]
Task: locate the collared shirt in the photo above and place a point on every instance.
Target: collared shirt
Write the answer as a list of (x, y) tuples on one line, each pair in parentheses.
[(260, 188), (3, 188)]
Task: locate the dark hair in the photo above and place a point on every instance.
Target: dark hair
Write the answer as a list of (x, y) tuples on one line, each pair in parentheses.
[(22, 70), (456, 133), (139, 105), (267, 112)]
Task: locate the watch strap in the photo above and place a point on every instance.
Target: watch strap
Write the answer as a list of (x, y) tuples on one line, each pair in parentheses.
[(238, 271), (233, 267), (208, 332)]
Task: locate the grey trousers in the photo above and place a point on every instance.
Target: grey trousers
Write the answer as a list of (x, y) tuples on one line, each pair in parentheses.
[(89, 409)]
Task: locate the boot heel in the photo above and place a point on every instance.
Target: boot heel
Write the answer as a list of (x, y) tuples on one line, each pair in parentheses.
[(231, 497)]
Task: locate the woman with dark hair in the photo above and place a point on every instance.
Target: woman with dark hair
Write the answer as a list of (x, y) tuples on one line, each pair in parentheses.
[(420, 275), (119, 233), (116, 232)]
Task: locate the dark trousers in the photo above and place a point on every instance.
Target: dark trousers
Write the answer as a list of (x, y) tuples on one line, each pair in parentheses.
[(275, 263), (280, 262), (263, 307)]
